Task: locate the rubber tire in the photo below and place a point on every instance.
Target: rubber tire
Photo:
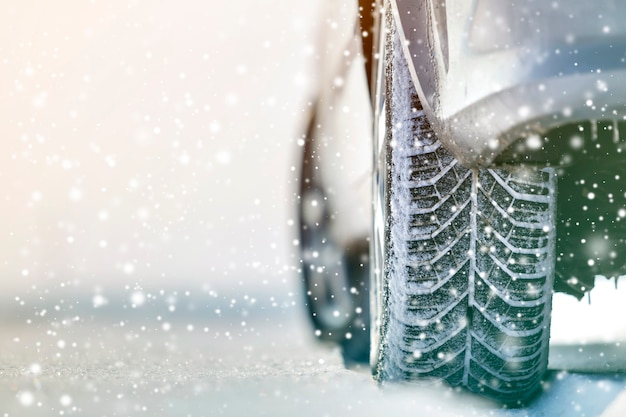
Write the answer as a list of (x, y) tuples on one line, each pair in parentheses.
[(335, 278), (465, 261)]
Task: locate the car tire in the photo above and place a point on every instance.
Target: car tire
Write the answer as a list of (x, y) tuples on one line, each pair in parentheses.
[(335, 276), (463, 259)]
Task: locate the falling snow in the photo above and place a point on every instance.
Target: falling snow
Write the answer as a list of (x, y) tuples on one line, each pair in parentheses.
[(148, 237)]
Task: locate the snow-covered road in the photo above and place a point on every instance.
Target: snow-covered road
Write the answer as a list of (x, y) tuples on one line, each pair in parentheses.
[(179, 353)]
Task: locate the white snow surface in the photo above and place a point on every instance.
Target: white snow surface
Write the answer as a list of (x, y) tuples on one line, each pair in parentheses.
[(228, 354)]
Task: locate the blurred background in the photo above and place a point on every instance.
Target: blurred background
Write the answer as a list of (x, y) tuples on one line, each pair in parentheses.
[(153, 145), (150, 143)]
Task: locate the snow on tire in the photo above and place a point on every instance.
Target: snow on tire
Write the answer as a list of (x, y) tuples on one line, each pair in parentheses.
[(466, 269)]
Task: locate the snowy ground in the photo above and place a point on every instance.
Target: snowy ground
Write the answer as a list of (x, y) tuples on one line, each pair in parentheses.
[(212, 353)]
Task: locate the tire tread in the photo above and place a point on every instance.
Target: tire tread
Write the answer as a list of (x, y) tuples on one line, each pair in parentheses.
[(470, 265)]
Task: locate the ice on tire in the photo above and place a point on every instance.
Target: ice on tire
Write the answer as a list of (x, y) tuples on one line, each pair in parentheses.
[(469, 264)]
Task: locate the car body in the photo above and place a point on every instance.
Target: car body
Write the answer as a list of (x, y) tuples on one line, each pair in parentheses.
[(489, 71)]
